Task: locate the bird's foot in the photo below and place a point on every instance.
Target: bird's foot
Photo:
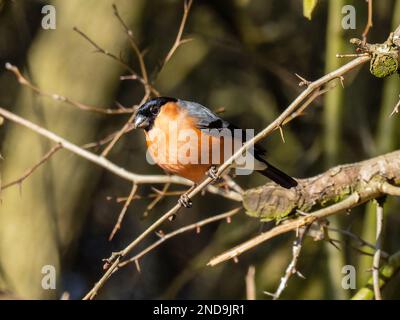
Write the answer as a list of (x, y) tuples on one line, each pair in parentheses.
[(212, 173), (185, 201)]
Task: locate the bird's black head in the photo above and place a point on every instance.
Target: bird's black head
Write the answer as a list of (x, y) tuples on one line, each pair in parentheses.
[(148, 112)]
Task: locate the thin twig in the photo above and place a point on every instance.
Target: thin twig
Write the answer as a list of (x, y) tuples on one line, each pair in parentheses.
[(123, 211), (396, 109), (195, 226), (291, 268), (157, 199), (251, 283), (147, 95), (377, 255), (152, 195), (357, 238), (111, 55), (57, 97), (123, 130), (116, 265), (178, 40), (311, 98), (369, 22), (101, 161), (46, 157), (148, 87), (388, 272), (105, 140), (362, 252)]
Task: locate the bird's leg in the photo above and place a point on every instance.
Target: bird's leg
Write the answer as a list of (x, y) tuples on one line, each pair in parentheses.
[(212, 173), (184, 199)]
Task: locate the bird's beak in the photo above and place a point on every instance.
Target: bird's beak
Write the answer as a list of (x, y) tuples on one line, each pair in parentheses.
[(141, 122)]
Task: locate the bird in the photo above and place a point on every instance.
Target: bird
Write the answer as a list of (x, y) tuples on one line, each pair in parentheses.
[(184, 138)]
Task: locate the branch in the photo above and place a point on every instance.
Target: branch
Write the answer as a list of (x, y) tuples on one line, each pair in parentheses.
[(123, 211), (369, 22), (396, 109), (251, 283), (195, 226), (101, 161), (57, 97), (117, 264), (345, 186), (159, 196), (292, 267), (361, 241), (272, 202), (178, 40), (139, 54), (386, 273), (46, 157), (108, 54), (149, 89), (108, 165), (377, 255), (293, 225), (114, 259)]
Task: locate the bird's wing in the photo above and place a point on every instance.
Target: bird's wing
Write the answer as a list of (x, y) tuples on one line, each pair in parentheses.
[(206, 119)]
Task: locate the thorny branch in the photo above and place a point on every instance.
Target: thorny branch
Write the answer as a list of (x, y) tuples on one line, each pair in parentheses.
[(292, 267), (195, 226), (117, 264)]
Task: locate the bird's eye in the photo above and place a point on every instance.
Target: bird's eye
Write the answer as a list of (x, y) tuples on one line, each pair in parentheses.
[(154, 110)]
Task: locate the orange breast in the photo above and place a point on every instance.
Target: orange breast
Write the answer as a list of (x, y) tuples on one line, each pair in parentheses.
[(179, 147)]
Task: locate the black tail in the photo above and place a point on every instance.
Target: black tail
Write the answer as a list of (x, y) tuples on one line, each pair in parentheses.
[(278, 176)]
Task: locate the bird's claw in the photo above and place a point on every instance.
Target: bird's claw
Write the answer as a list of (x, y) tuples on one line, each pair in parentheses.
[(212, 173), (185, 201)]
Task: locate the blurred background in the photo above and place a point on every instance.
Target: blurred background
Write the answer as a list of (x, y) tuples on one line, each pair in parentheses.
[(242, 58)]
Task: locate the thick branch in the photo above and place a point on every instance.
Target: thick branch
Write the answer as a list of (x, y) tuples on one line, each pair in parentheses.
[(271, 202), (341, 188)]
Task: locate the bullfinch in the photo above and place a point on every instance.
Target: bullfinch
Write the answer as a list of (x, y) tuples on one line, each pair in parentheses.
[(187, 139)]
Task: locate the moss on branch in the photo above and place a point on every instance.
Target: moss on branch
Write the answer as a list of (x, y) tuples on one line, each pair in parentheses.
[(272, 202)]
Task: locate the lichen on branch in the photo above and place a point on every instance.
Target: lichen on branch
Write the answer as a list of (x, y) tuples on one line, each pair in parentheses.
[(272, 202)]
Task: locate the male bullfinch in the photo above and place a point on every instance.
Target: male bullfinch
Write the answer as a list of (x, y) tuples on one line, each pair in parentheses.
[(187, 139)]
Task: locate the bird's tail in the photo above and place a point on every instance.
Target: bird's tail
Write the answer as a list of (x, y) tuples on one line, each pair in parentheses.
[(278, 176)]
